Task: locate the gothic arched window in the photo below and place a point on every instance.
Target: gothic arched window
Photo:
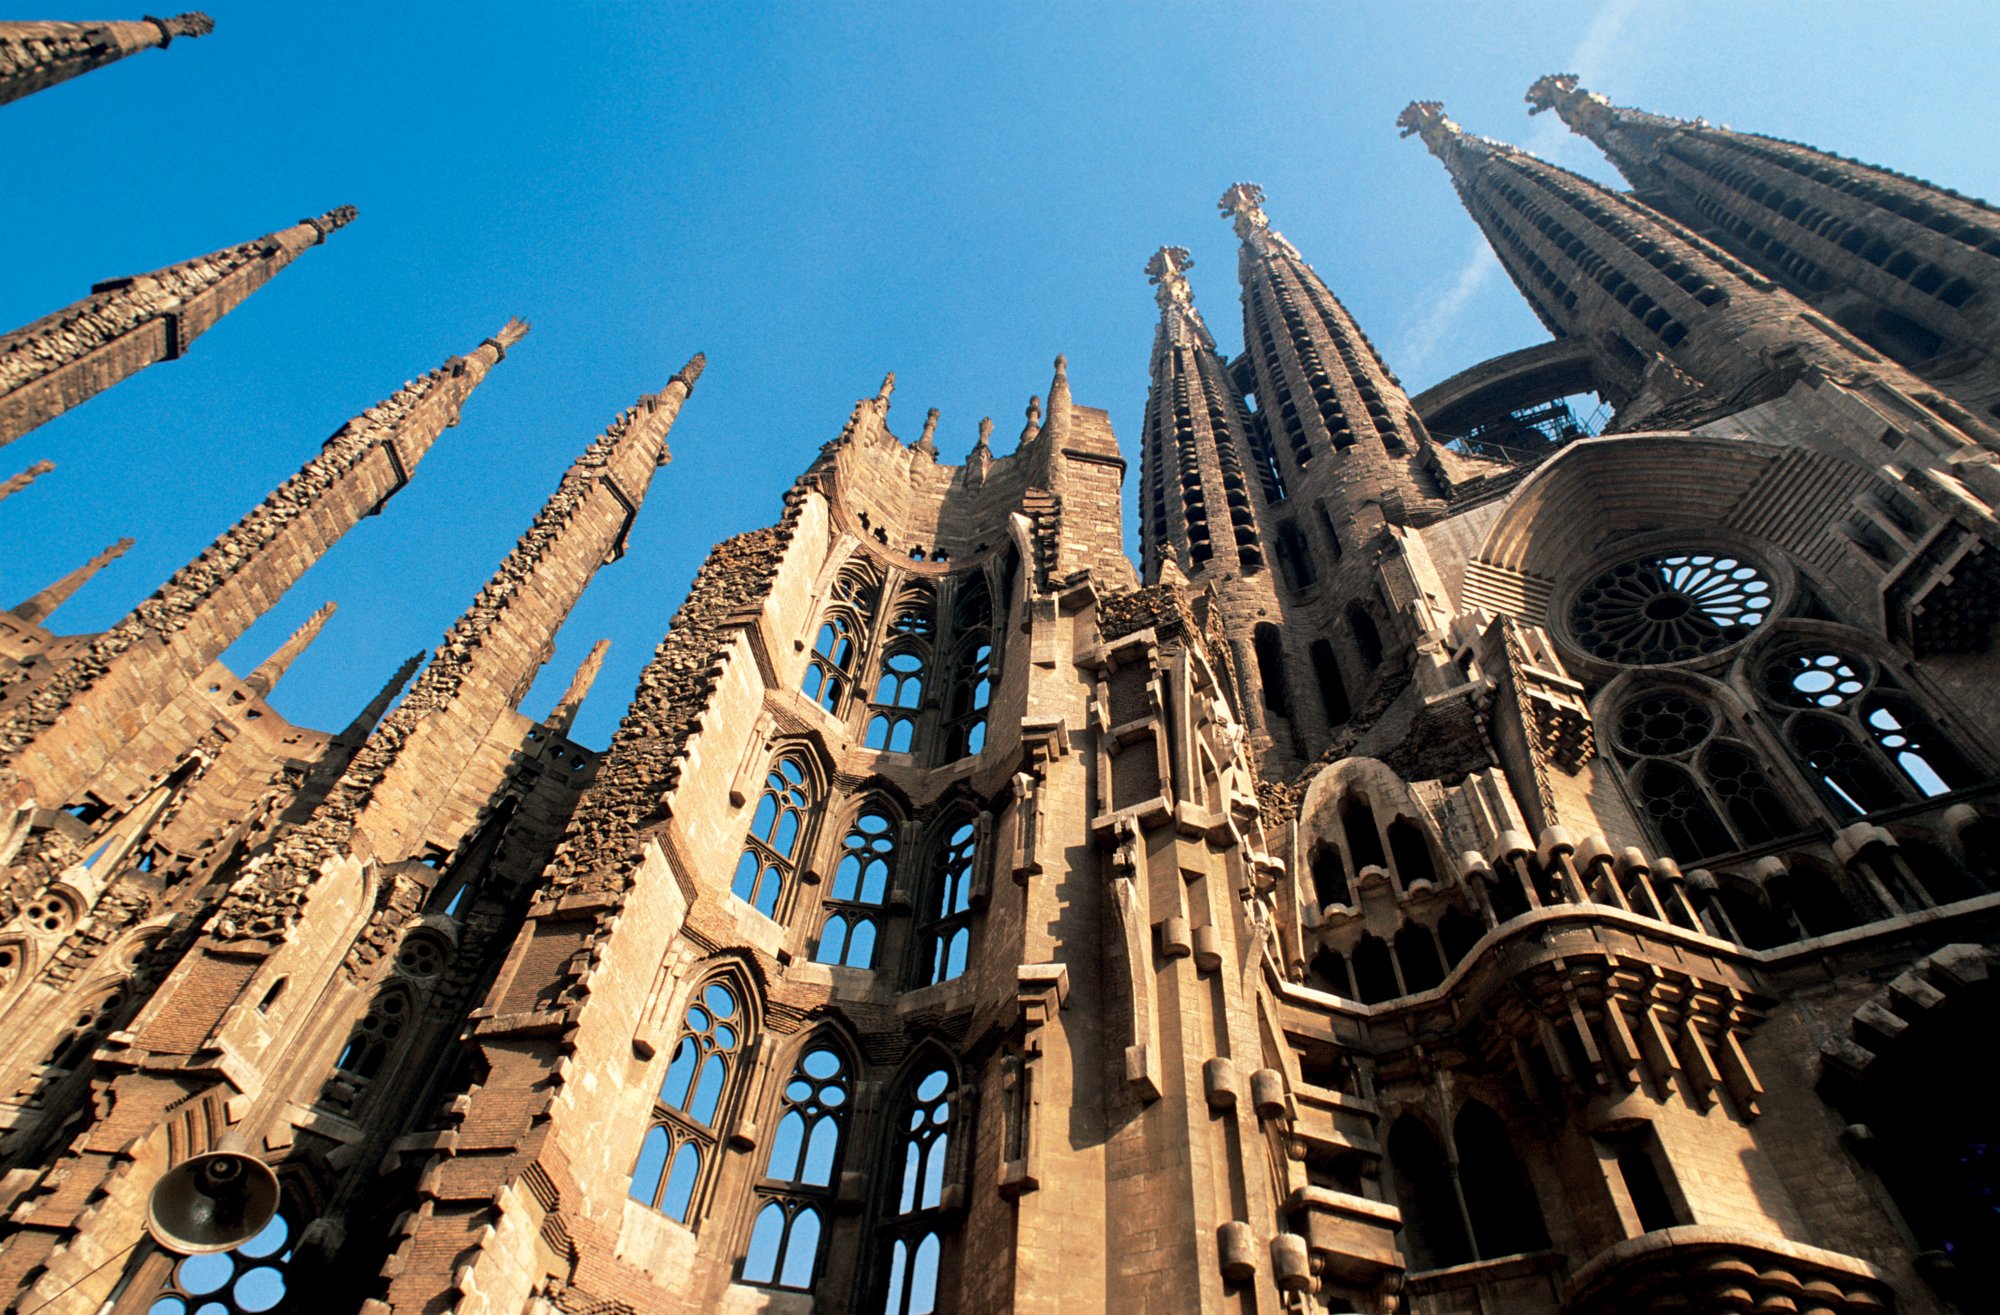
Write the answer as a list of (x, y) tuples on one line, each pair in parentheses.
[(1862, 739), (946, 932), (374, 1038), (971, 671), (899, 688), (1702, 793), (796, 1192), (830, 669), (681, 1140), (853, 905), (770, 851), (915, 1222)]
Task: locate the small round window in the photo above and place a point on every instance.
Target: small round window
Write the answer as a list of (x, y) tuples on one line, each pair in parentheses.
[(1669, 607)]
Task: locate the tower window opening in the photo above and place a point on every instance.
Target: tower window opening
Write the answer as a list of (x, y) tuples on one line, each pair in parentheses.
[(1270, 653), (1332, 690)]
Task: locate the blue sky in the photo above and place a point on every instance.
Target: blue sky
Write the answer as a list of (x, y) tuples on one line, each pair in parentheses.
[(812, 195)]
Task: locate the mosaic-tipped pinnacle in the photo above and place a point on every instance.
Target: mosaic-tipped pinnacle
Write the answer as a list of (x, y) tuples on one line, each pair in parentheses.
[(1419, 113), (1167, 262), (1240, 199), (512, 332)]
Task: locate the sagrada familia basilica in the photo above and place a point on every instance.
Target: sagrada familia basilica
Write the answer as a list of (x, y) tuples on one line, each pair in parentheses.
[(1483, 859)]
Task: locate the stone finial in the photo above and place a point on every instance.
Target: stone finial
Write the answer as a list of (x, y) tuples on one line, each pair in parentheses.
[(1550, 90), (510, 333), (337, 218), (15, 483), (1244, 202), (1167, 272), (985, 433), (1426, 119), (888, 387), (195, 24), (39, 608), (927, 443), (1034, 424), (690, 372), (272, 669)]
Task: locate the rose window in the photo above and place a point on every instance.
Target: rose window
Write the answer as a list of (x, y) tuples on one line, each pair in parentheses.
[(1669, 607)]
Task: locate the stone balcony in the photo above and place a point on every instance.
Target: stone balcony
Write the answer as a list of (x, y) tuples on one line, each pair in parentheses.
[(1723, 1270)]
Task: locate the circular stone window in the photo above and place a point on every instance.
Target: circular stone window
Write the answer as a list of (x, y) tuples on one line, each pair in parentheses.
[(1669, 607)]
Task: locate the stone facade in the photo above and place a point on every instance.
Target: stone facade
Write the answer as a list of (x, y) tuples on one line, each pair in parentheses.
[(1471, 867)]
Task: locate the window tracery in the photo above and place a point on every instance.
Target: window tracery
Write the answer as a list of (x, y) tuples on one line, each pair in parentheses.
[(914, 1227), (1864, 742), (1669, 607), (946, 934), (971, 671), (1702, 792), (853, 906), (771, 849), (797, 1188), (681, 1138)]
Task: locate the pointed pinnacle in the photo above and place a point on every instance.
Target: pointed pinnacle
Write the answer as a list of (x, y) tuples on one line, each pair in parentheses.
[(15, 483), (985, 433), (337, 218), (192, 24), (563, 715), (1062, 368), (1549, 89), (888, 387), (928, 441), (510, 333), (1168, 263), (42, 605), (690, 372), (1034, 419), (272, 669)]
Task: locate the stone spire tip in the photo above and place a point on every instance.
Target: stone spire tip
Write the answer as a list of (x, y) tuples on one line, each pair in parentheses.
[(1245, 201), (1549, 90), (985, 432), (1169, 263), (888, 387), (690, 372), (337, 218), (192, 24)]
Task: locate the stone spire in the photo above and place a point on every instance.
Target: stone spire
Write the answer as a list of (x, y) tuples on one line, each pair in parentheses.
[(927, 443), (563, 715), (37, 55), (366, 720), (38, 609), (273, 668), (15, 483), (1195, 445), (127, 324), (1059, 400), (488, 659), (58, 737), (1907, 266), (1330, 404)]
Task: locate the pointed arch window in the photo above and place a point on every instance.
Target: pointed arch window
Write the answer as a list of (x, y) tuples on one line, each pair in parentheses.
[(681, 1139), (1702, 792), (906, 661), (1864, 741), (830, 669), (795, 1195), (376, 1036), (946, 934), (916, 1222), (770, 852), (853, 908), (970, 670)]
